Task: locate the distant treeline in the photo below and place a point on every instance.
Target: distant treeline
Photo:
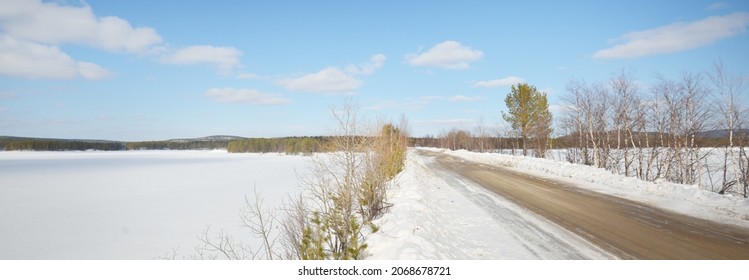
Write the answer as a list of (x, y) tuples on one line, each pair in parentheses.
[(466, 140), (31, 144), (178, 145), (302, 145), (288, 145)]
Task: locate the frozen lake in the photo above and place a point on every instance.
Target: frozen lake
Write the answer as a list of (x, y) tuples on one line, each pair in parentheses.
[(130, 204)]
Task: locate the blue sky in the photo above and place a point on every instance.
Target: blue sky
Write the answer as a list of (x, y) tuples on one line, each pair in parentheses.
[(149, 70)]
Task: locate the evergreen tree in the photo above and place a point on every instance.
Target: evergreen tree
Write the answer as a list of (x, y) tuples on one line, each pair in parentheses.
[(528, 112)]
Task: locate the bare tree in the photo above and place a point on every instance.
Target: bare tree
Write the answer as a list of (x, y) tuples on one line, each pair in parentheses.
[(728, 90), (626, 102), (260, 221), (295, 211), (657, 136), (255, 217), (346, 188), (481, 134), (588, 112), (574, 121)]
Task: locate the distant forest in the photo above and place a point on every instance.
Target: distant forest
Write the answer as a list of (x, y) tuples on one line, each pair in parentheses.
[(288, 145), (454, 140), (41, 144)]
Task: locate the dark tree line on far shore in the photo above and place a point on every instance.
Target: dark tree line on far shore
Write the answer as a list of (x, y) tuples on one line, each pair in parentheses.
[(455, 140), (288, 145)]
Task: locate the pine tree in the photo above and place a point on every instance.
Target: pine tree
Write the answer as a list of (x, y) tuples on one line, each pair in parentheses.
[(528, 112)]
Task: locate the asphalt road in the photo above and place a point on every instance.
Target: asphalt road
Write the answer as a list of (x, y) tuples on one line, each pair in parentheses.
[(627, 229)]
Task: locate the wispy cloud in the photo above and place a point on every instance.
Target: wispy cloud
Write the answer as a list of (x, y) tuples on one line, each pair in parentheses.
[(716, 6), (375, 62), (247, 96), (447, 55), (328, 80), (463, 98), (92, 71), (677, 37), (226, 59), (502, 82), (332, 80), (250, 76), (559, 109)]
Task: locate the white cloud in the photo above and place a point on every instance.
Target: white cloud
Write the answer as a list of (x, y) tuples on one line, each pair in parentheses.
[(556, 109), (250, 76), (463, 98), (333, 80), (677, 36), (224, 58), (249, 96), (37, 61), (375, 62), (447, 55), (31, 60), (503, 82), (32, 32), (717, 6), (92, 71), (54, 24), (328, 80), (48, 25)]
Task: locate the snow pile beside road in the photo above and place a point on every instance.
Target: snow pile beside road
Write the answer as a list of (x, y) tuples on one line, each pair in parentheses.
[(437, 215), (423, 209), (685, 199)]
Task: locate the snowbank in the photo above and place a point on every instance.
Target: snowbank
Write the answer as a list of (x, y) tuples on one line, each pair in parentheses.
[(436, 215), (685, 199)]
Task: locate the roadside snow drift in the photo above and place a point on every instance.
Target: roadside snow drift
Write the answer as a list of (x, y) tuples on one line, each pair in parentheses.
[(685, 199), (436, 215)]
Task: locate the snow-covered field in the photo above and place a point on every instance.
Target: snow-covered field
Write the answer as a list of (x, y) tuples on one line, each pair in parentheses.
[(130, 205)]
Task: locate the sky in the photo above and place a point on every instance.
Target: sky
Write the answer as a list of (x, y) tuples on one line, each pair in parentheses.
[(154, 70)]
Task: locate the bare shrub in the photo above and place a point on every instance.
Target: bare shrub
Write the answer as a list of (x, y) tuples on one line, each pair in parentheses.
[(346, 189)]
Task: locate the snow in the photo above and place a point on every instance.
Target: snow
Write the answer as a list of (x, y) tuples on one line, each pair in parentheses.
[(436, 215), (685, 199), (144, 204), (130, 204)]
